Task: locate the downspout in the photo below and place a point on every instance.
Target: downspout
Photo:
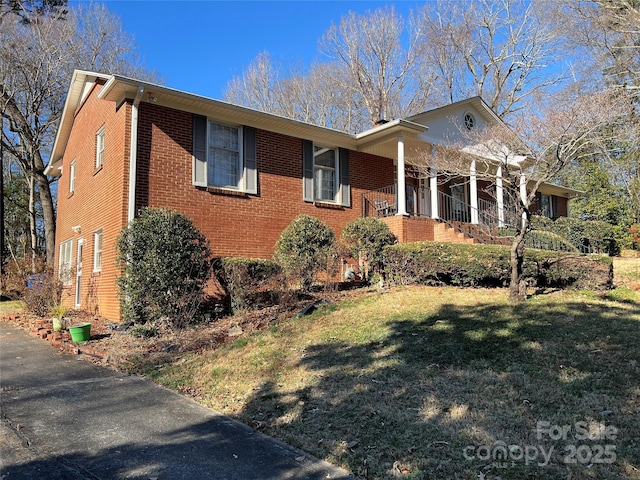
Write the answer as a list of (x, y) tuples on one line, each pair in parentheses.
[(133, 155)]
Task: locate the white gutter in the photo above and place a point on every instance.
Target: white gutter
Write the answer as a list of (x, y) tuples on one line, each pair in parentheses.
[(133, 155)]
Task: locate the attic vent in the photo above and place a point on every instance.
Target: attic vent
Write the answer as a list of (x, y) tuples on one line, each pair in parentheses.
[(469, 121)]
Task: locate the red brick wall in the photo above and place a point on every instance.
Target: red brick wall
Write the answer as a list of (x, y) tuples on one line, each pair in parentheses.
[(411, 229), (239, 225), (98, 201)]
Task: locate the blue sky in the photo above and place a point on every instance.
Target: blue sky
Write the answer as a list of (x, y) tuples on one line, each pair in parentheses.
[(198, 46)]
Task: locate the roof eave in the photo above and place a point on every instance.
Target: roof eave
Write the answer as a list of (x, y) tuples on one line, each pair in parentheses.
[(119, 88), (74, 97)]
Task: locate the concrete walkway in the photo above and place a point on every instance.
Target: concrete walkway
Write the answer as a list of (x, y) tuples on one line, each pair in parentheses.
[(65, 418)]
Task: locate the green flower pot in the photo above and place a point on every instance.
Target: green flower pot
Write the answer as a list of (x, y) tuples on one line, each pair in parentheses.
[(80, 333)]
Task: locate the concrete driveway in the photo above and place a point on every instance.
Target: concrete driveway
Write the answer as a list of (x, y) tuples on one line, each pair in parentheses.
[(65, 418)]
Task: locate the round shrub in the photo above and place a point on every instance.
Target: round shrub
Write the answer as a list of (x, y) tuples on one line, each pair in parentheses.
[(303, 248), (366, 238), (166, 263)]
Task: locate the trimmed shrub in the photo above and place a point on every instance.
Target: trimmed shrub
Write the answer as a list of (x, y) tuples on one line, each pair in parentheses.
[(303, 249), (166, 263), (247, 279), (593, 272), (431, 263), (365, 239)]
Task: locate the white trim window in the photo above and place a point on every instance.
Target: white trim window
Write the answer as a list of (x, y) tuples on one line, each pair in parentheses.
[(100, 147), (325, 174), (224, 156), (72, 176), (325, 170), (548, 205), (65, 262), (97, 250)]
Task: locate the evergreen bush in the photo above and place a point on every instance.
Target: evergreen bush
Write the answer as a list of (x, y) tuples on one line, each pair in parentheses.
[(303, 249), (166, 264), (365, 239), (433, 263)]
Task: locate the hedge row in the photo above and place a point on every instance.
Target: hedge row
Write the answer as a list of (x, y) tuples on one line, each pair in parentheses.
[(251, 282), (432, 263)]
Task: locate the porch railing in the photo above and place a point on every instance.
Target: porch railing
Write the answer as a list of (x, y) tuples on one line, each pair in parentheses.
[(492, 226), (453, 211), (380, 203)]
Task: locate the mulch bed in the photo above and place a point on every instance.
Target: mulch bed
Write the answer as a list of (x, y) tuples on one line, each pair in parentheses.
[(114, 346)]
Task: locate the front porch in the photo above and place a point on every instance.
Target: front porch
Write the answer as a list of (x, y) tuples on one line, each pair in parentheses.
[(436, 215)]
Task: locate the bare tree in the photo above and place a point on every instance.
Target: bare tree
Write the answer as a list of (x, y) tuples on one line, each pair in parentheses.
[(319, 96), (500, 50), (382, 66), (258, 85), (380, 70), (535, 151), (38, 53), (607, 34)]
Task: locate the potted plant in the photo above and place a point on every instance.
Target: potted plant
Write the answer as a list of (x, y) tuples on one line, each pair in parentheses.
[(59, 311)]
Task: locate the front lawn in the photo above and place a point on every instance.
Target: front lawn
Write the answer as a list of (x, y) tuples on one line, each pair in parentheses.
[(440, 383)]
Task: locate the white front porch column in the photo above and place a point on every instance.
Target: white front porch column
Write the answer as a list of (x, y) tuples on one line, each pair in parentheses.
[(433, 183), (523, 196), (500, 196), (402, 189), (473, 192)]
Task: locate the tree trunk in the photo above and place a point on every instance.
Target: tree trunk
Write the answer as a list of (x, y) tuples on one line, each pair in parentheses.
[(32, 222), (34, 165), (48, 214), (518, 284)]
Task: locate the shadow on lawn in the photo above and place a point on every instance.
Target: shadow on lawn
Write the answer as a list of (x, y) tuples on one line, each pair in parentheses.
[(438, 396)]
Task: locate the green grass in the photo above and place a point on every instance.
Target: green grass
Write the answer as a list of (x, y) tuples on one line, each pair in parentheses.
[(11, 306), (627, 267), (411, 380)]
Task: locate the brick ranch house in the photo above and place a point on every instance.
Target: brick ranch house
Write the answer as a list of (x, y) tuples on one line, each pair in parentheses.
[(242, 176)]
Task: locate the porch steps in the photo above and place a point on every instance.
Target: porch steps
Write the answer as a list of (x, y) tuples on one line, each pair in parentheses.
[(416, 229), (467, 233), (444, 233)]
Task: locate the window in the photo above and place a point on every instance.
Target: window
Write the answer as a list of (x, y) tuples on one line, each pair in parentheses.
[(224, 156), (224, 165), (469, 121), (100, 148), (97, 250), (72, 176), (548, 205), (324, 173), (64, 263)]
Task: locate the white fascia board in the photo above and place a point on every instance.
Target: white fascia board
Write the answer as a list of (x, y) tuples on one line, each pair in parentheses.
[(78, 89)]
